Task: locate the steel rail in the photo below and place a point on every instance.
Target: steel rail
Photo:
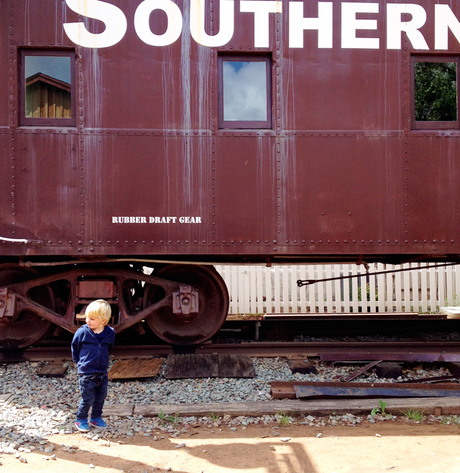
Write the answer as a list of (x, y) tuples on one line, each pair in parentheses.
[(328, 351)]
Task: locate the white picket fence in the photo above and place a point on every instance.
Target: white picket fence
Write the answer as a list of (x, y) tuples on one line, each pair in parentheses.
[(274, 290)]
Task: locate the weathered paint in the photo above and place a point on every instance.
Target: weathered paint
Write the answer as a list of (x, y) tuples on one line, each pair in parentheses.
[(340, 175)]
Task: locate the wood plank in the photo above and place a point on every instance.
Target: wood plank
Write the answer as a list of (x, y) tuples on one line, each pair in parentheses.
[(235, 366), (135, 368), (53, 370), (315, 407), (191, 366), (121, 410), (6, 397), (350, 316), (208, 366)]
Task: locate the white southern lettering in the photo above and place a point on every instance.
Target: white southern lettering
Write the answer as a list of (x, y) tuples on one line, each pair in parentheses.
[(444, 19), (113, 18), (297, 24), (395, 25), (142, 25), (350, 24), (261, 10), (226, 21)]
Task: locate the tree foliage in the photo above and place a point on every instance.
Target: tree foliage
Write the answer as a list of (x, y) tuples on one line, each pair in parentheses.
[(436, 91)]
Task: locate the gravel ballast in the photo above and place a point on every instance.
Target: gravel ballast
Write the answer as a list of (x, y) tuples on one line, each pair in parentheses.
[(42, 406)]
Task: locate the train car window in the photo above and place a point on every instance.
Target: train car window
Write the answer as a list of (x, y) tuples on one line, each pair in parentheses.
[(47, 95), (435, 92), (244, 92)]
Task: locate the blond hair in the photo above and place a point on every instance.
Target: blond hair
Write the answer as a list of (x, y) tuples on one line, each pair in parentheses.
[(99, 309)]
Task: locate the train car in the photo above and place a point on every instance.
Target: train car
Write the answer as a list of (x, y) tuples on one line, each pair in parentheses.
[(172, 135)]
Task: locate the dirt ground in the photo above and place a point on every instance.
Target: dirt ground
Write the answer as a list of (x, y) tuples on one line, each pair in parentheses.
[(395, 446)]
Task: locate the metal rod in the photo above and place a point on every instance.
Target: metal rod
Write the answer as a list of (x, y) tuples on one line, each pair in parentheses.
[(21, 240), (307, 282)]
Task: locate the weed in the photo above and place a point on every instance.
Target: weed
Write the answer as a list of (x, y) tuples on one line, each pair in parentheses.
[(455, 301), (172, 419), (283, 419), (455, 420), (380, 410), (213, 416), (414, 415), (162, 416)]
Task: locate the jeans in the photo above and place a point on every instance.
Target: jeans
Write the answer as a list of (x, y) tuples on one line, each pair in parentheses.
[(93, 389)]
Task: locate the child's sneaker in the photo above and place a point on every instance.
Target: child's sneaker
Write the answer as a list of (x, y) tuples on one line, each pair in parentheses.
[(82, 425), (98, 423)]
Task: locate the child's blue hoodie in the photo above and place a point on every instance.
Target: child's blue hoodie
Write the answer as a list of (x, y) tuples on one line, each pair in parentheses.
[(91, 354)]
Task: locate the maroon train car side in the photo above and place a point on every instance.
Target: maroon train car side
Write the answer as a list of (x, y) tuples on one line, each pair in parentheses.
[(175, 135)]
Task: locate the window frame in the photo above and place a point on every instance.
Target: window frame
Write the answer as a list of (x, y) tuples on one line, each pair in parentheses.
[(247, 124), (41, 122), (433, 125)]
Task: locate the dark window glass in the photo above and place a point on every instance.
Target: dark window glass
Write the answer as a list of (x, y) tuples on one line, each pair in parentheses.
[(435, 97), (47, 96), (244, 92)]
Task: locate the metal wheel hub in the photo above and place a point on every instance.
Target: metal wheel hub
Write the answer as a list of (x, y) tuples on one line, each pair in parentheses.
[(196, 311), (185, 304)]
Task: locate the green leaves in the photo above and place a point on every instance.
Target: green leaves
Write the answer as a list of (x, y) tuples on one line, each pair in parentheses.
[(380, 410), (435, 91)]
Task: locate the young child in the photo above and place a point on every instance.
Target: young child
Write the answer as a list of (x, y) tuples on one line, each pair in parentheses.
[(90, 350)]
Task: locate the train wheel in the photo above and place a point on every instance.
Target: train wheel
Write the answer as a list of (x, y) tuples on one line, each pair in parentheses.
[(213, 305), (26, 328)]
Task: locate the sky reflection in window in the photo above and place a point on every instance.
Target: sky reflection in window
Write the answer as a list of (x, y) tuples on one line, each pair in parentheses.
[(245, 90), (53, 66)]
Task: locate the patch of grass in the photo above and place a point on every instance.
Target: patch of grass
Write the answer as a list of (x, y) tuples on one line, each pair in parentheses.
[(283, 419), (417, 416), (168, 418)]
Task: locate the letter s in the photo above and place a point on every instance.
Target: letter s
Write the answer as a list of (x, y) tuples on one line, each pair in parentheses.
[(113, 18)]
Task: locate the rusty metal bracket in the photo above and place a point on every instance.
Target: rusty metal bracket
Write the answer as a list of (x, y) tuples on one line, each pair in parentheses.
[(373, 390), (359, 372), (7, 303), (185, 301), (312, 389)]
